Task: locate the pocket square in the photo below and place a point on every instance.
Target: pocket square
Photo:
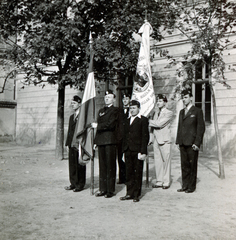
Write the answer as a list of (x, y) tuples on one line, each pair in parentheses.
[(192, 116)]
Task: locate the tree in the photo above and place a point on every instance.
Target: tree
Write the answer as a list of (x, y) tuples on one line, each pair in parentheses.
[(209, 27), (55, 33)]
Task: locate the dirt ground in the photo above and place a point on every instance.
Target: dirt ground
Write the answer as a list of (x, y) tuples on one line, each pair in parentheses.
[(34, 204)]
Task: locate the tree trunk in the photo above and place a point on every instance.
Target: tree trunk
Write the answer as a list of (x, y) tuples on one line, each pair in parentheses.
[(60, 124), (221, 164)]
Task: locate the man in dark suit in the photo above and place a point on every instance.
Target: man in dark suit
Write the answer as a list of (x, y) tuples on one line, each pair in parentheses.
[(77, 172), (124, 113), (106, 140), (135, 141), (191, 128)]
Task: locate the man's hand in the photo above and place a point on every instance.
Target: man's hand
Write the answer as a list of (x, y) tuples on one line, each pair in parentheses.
[(94, 146), (141, 156), (195, 147), (94, 125)]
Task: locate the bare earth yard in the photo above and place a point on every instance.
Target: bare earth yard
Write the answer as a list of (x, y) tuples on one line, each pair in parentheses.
[(34, 204)]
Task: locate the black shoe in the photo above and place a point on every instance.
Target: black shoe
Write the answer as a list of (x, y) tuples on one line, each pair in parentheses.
[(109, 195), (189, 191), (156, 186), (182, 190), (77, 189), (120, 182), (69, 188), (165, 187), (136, 200), (100, 194), (126, 197)]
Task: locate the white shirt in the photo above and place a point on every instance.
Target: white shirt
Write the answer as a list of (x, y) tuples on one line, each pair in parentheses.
[(76, 114), (133, 117), (186, 109)]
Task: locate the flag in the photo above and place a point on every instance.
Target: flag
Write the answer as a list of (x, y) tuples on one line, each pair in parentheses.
[(84, 134), (143, 90)]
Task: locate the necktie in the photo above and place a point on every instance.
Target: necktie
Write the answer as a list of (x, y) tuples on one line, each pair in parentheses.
[(75, 117), (185, 111)]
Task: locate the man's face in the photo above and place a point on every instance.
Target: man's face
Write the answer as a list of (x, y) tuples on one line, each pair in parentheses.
[(75, 105), (187, 99), (134, 110), (125, 101), (109, 99), (161, 103)]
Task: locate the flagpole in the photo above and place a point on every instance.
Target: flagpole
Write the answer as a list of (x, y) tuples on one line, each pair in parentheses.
[(147, 160), (92, 170), (92, 159)]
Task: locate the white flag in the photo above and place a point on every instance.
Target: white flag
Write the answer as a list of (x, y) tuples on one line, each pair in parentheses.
[(143, 90)]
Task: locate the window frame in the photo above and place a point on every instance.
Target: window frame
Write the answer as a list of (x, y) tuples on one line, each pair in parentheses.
[(204, 81)]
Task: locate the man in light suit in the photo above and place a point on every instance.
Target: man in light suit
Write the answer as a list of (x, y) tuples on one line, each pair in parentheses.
[(135, 141), (161, 139), (191, 128), (106, 140)]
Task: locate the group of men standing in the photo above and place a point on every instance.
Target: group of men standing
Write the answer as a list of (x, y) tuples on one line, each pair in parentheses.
[(124, 134)]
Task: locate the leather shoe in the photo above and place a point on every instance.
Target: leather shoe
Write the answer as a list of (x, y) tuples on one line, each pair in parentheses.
[(77, 189), (126, 197), (69, 188), (120, 182), (136, 200), (109, 195), (189, 191), (181, 190), (100, 194), (165, 187), (156, 186)]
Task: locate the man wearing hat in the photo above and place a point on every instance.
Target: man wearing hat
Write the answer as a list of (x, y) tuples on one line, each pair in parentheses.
[(106, 140), (135, 141), (161, 139), (77, 172), (191, 128), (124, 113)]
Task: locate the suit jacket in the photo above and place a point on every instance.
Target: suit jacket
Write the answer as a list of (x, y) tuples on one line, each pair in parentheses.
[(107, 126), (136, 135), (190, 127), (122, 118), (71, 130), (160, 126)]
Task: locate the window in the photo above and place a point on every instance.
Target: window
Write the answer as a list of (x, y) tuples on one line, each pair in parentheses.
[(125, 87), (201, 89)]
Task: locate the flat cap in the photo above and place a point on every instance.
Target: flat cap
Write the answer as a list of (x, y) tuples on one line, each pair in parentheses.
[(107, 92), (134, 103), (126, 95), (77, 99)]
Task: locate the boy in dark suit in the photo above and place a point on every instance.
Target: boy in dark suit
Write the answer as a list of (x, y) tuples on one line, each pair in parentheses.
[(77, 172), (124, 113), (106, 140), (190, 132), (135, 141)]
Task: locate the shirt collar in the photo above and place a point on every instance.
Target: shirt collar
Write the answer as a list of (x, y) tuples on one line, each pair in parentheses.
[(138, 115), (189, 106), (77, 112)]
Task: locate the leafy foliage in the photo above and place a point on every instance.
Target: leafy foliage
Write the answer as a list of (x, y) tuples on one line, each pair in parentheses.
[(209, 26), (55, 33)]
